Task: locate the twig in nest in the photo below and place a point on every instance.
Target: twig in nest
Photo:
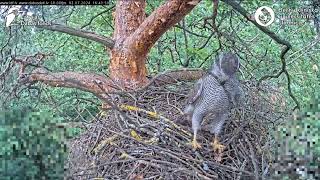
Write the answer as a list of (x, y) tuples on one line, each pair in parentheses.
[(154, 115), (252, 156), (130, 155)]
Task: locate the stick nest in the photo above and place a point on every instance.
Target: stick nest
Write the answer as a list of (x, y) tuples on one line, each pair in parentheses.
[(142, 139)]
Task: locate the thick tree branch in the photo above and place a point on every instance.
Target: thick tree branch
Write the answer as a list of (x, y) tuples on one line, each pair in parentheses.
[(173, 76), (80, 33), (98, 84), (127, 67), (168, 77), (94, 83), (163, 18)]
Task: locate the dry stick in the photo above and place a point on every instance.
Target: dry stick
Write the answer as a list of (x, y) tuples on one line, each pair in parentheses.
[(169, 153), (229, 168), (252, 156), (158, 77), (133, 148), (139, 159), (102, 96), (154, 115), (96, 141), (276, 38), (192, 167), (242, 168)]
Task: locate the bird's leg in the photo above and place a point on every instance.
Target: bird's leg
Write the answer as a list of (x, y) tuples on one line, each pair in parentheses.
[(195, 144), (196, 119), (216, 127), (217, 146)]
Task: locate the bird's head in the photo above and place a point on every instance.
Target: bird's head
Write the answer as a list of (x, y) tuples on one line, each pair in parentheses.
[(225, 66)]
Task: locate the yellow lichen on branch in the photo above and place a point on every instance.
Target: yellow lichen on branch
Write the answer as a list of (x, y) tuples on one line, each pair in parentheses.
[(153, 115), (103, 143)]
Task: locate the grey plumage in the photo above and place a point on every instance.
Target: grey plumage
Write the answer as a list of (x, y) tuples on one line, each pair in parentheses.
[(234, 91), (214, 93), (206, 97)]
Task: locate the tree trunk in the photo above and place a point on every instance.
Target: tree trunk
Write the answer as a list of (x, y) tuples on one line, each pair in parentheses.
[(133, 37), (127, 66)]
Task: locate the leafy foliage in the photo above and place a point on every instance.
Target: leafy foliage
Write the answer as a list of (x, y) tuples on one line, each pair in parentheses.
[(299, 145), (32, 146)]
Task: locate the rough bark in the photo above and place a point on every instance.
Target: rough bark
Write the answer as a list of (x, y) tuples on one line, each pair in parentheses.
[(99, 84), (94, 83), (126, 66), (133, 38), (135, 35)]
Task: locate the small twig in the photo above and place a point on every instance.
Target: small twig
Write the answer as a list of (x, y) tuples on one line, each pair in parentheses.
[(252, 156), (95, 16)]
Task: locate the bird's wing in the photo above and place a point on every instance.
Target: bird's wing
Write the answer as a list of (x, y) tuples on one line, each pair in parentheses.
[(195, 92)]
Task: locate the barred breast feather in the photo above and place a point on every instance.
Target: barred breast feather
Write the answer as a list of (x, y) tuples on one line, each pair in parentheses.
[(207, 96)]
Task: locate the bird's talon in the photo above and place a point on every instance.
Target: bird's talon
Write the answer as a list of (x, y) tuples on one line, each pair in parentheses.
[(217, 147), (195, 145)]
